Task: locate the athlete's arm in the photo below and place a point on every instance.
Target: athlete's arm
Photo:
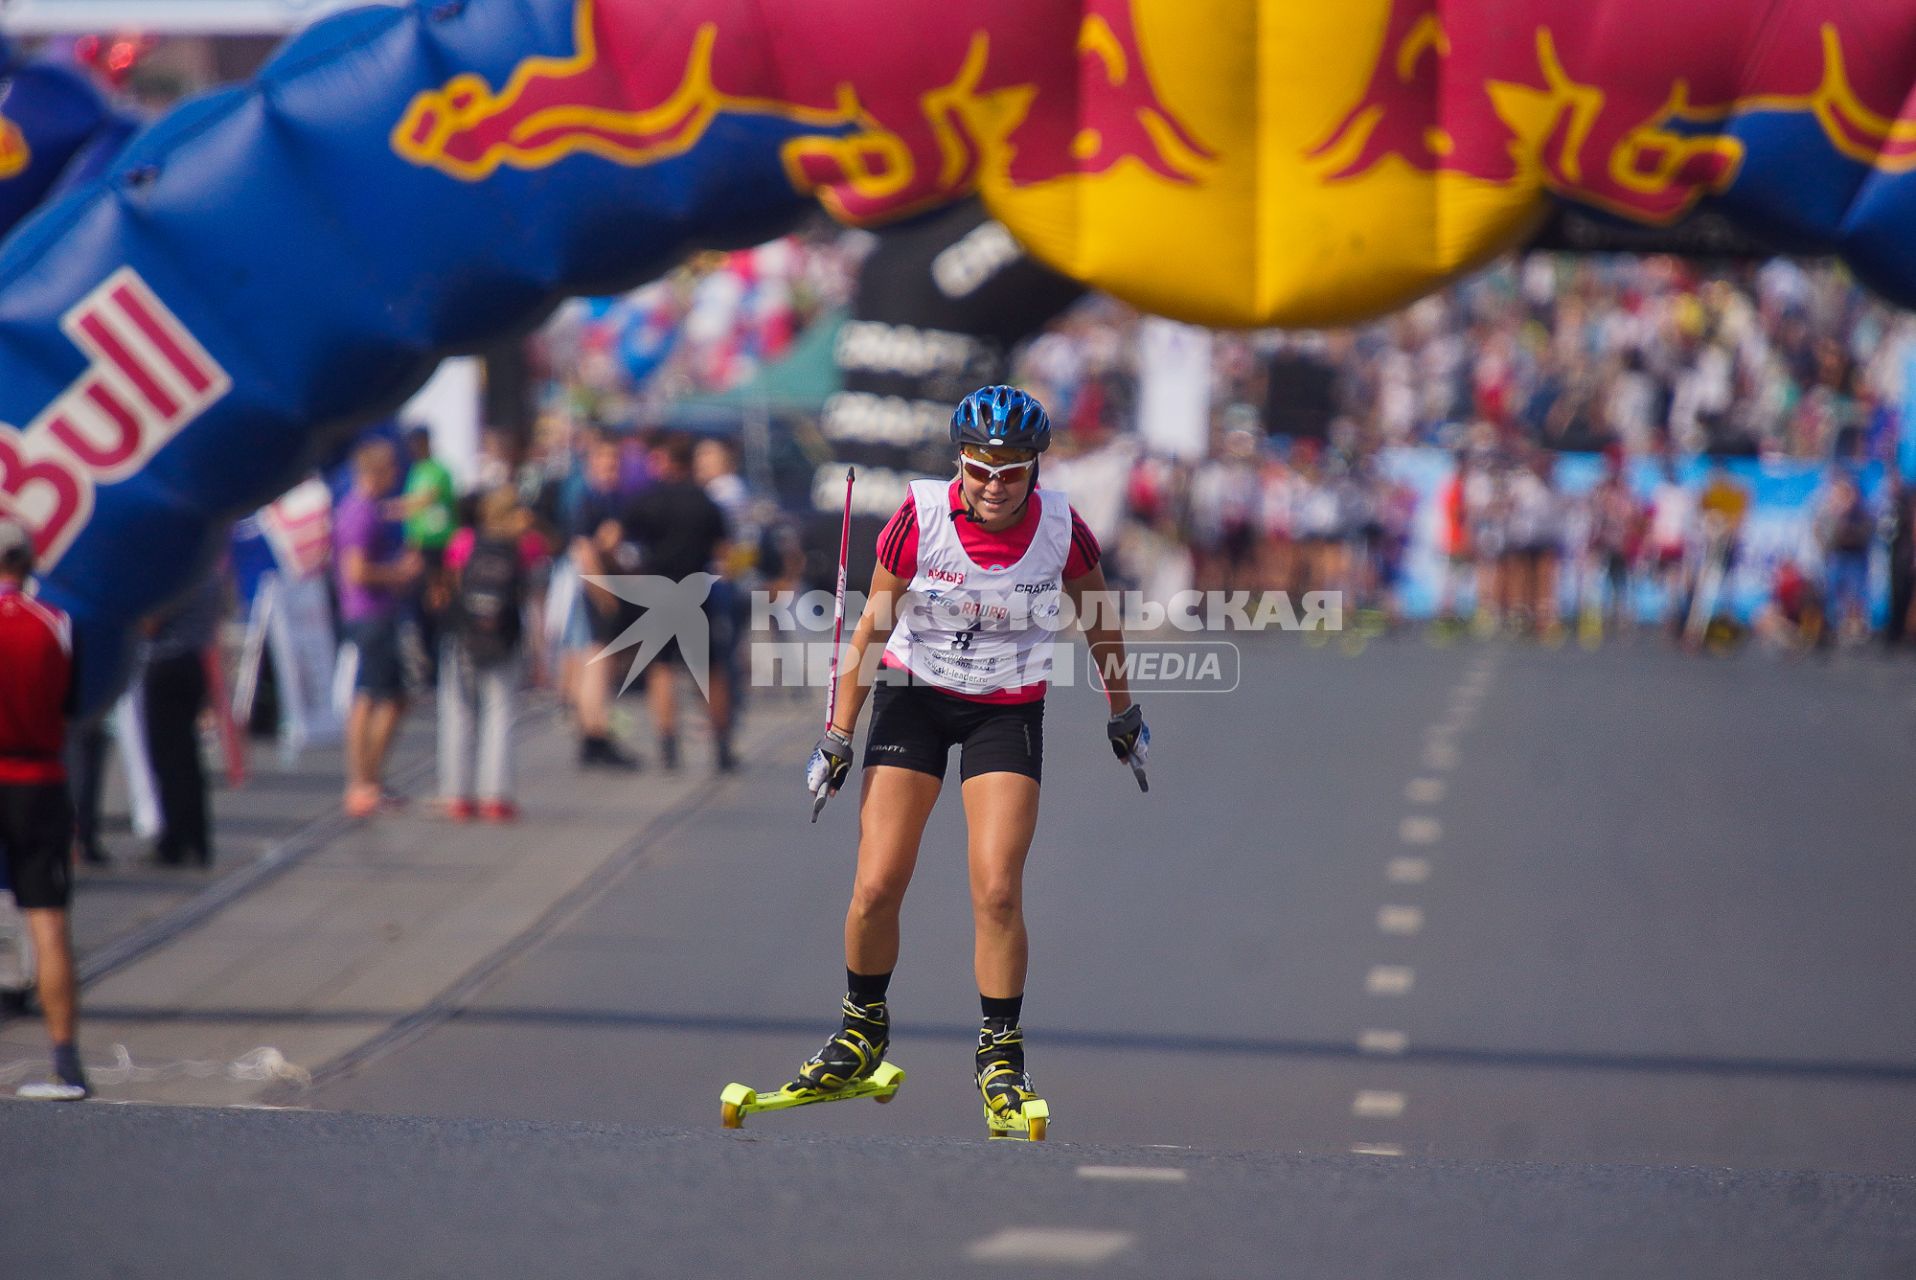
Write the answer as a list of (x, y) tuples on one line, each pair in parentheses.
[(874, 624), (1098, 611), (1103, 622)]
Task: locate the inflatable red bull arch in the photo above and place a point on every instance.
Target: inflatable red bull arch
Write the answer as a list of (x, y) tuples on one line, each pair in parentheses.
[(271, 265)]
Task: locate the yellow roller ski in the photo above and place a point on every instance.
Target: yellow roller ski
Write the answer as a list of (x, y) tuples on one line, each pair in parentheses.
[(1028, 1123), (739, 1101)]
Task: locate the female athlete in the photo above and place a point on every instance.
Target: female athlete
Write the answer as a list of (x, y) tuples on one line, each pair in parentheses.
[(969, 574)]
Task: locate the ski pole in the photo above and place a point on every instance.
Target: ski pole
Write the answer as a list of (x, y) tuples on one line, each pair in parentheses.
[(838, 621)]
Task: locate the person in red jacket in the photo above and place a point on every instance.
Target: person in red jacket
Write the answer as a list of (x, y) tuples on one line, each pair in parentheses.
[(36, 812)]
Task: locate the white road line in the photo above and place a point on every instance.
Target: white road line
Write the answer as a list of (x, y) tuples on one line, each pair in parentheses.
[(1424, 790), (1378, 1104), (1131, 1173), (1380, 1041), (1077, 1246), (1407, 870), (1440, 756), (1390, 980), (1420, 831), (1402, 921), (1376, 1149)]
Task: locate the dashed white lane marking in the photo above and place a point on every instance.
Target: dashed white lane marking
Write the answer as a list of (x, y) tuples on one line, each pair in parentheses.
[(1424, 790), (1376, 1149), (1378, 1104), (1131, 1173), (1377, 1040), (1407, 870), (1420, 831), (1076, 1246), (1402, 921), (1390, 980), (1440, 756)]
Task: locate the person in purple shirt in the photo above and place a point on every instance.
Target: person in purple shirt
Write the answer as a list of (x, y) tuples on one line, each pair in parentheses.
[(376, 569)]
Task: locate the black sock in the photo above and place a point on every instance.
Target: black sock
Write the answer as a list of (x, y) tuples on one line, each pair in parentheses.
[(866, 988), (1004, 1009), (66, 1064)]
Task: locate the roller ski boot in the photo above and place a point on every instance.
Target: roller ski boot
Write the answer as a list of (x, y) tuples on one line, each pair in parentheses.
[(1012, 1108), (851, 1065)]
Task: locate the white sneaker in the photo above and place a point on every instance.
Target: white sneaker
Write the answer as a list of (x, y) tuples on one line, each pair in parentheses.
[(53, 1091)]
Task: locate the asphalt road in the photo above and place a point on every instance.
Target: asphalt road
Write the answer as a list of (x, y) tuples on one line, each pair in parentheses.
[(152, 1191), (1470, 961), (1478, 902)]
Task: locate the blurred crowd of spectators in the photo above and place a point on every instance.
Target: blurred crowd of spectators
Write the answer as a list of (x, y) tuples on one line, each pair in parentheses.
[(1518, 552), (1628, 357), (1652, 354), (1632, 357), (705, 327)]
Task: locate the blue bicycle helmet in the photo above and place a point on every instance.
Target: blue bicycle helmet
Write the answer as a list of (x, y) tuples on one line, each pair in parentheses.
[(1001, 418)]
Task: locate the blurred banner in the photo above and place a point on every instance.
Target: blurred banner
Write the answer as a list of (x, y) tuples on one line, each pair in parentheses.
[(167, 17), (1174, 388), (939, 306)]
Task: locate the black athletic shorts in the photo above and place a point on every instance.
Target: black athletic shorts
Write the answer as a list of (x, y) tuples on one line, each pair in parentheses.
[(915, 726), (36, 833), (381, 674)]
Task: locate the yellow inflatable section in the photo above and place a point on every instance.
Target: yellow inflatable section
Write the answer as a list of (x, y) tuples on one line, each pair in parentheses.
[(1263, 232)]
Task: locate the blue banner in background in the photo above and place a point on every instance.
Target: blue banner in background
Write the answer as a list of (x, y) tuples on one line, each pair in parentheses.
[(1780, 525)]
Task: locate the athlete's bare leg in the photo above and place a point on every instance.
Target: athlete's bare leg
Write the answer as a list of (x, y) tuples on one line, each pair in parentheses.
[(1001, 815), (892, 814), (53, 955)]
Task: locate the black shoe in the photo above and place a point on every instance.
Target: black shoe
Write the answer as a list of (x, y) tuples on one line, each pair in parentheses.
[(1002, 1078), (864, 1034), (669, 750), (727, 758), (94, 856), (603, 753), (69, 1083)]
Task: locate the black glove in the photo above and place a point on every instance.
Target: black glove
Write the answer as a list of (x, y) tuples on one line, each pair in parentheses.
[(1130, 740), (826, 771)]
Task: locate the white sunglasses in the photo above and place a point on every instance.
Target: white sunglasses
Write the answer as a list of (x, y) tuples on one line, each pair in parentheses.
[(985, 472)]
